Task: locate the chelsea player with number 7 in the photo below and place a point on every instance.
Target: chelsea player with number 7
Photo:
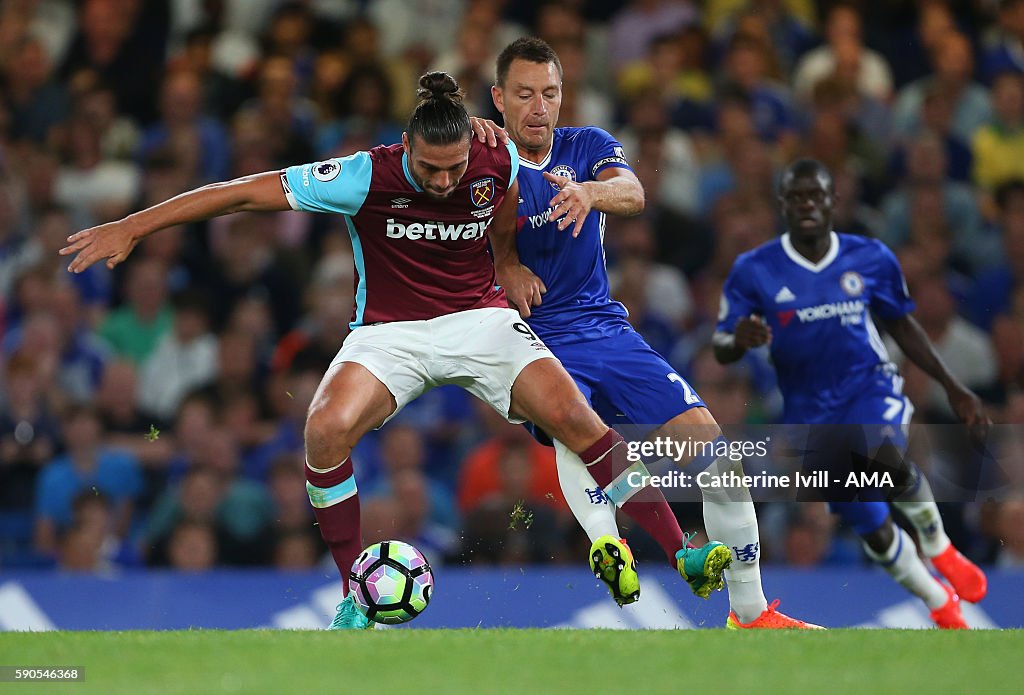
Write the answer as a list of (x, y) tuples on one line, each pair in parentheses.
[(812, 295)]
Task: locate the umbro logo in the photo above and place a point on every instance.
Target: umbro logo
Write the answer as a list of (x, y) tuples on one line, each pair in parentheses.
[(400, 202), (784, 295)]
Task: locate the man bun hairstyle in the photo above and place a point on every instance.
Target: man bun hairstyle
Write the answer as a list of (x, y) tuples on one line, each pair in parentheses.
[(528, 48), (439, 117)]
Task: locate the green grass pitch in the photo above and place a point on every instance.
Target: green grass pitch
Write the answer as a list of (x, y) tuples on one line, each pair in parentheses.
[(423, 662)]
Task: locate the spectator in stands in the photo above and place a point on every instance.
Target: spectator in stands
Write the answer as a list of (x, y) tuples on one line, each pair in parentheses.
[(117, 403), (364, 108), (36, 101), (296, 551), (1010, 523), (509, 466), (953, 69), (80, 550), (927, 191), (87, 463), (991, 291), (183, 360), (1007, 54), (92, 511), (185, 133), (844, 35), (289, 115), (639, 22), (134, 329), (124, 43), (666, 154), (192, 547), (1008, 339), (94, 189), (998, 146), (937, 119), (239, 510), (664, 289), (776, 121), (29, 431), (403, 448), (965, 349)]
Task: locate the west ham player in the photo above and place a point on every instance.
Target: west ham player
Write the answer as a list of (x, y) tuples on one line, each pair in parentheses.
[(833, 369), (427, 310), (569, 178)]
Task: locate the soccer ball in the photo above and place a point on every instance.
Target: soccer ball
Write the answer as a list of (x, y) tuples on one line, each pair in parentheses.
[(391, 582)]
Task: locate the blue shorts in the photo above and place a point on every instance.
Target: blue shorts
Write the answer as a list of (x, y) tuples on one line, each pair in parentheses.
[(863, 517), (627, 383), (884, 412)]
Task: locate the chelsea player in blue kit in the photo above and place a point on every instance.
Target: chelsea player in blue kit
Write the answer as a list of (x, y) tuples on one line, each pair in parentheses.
[(812, 294), (569, 178)]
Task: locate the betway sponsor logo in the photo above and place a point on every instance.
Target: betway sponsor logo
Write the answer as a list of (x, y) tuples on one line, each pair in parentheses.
[(439, 231), (849, 312)]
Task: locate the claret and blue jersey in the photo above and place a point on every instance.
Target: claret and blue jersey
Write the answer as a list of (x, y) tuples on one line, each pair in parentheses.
[(416, 257), (831, 363)]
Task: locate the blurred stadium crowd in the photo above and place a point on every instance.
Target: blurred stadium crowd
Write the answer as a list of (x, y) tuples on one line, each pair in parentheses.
[(153, 416)]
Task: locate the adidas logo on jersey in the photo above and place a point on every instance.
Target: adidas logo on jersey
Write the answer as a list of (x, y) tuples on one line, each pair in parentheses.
[(784, 295), (438, 230)]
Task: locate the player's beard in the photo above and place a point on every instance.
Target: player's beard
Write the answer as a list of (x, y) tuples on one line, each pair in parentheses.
[(440, 196), (433, 192)]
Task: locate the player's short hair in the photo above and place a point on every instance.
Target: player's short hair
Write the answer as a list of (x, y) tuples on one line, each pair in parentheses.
[(439, 118), (528, 48), (805, 168)]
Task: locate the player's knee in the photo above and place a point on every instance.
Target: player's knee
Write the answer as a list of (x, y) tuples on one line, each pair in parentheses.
[(573, 420), (330, 428)]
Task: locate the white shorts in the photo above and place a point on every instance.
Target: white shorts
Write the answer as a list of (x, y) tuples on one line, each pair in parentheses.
[(481, 350)]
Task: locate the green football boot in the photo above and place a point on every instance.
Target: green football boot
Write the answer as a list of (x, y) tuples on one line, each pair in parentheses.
[(349, 617), (704, 568), (612, 562)]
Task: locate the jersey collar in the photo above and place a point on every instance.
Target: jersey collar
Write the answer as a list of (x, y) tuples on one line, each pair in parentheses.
[(800, 260), (408, 175)]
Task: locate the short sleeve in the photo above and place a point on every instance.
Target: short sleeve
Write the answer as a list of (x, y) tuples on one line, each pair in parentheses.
[(337, 185), (890, 298), (604, 151), (739, 297), (514, 154)]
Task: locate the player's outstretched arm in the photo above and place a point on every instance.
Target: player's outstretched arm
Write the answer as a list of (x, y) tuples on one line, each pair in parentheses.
[(914, 343), (751, 332), (115, 240), (522, 288), (616, 191)]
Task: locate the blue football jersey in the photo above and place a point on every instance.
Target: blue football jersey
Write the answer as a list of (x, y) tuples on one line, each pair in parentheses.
[(825, 346), (577, 305)]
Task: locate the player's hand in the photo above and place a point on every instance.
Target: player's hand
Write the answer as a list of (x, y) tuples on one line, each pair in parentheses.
[(488, 132), (969, 409), (752, 332), (112, 241), (522, 288), (571, 204)]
